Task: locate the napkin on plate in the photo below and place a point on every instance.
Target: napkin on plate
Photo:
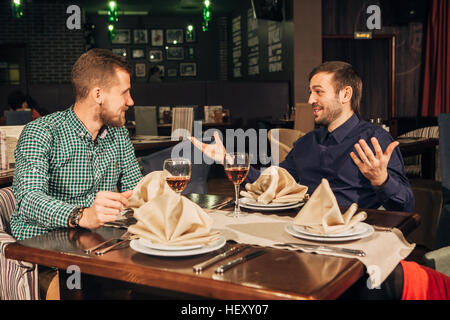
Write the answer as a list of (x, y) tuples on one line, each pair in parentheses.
[(275, 184), (165, 217), (321, 214)]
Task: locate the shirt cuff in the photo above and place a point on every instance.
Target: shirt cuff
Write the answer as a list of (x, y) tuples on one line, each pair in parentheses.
[(388, 190), (61, 219)]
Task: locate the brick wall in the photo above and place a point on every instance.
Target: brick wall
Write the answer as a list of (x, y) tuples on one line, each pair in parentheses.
[(51, 47)]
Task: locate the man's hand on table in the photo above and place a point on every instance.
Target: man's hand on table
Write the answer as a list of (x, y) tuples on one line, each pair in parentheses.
[(373, 167), (106, 207)]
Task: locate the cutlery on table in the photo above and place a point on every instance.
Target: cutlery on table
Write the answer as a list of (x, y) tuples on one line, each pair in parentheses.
[(315, 247), (222, 205), (221, 269), (230, 252), (126, 235), (107, 249), (91, 249)]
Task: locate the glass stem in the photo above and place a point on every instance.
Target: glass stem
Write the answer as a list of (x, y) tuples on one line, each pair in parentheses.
[(236, 203)]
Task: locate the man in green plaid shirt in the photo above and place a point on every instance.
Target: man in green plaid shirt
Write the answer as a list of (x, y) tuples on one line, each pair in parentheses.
[(77, 167)]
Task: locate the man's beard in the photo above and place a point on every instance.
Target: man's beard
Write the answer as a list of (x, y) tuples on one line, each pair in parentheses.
[(329, 114), (109, 119)]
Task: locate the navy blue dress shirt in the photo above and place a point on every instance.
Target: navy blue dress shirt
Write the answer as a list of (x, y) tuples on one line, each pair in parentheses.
[(323, 154)]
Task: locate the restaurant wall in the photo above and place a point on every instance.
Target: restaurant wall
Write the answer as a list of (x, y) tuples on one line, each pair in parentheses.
[(205, 45), (260, 50), (51, 48)]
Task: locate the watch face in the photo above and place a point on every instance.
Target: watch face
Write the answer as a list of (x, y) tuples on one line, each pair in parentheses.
[(75, 216)]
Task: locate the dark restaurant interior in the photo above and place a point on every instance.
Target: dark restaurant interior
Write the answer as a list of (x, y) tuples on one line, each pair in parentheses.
[(247, 62)]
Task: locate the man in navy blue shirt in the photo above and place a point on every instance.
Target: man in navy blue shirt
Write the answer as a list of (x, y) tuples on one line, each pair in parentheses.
[(346, 150)]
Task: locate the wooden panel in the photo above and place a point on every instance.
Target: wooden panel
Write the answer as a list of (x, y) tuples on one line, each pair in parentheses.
[(307, 44), (304, 117)]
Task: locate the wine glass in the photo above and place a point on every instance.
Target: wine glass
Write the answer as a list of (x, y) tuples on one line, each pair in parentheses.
[(236, 168), (179, 173)]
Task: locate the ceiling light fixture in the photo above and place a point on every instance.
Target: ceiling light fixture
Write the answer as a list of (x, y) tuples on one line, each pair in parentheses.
[(113, 17), (206, 15), (17, 8)]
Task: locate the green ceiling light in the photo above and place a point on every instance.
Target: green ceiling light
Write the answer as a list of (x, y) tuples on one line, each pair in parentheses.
[(17, 8), (112, 31), (190, 33), (113, 17), (206, 15)]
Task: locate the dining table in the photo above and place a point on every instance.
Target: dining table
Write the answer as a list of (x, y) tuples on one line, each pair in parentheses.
[(277, 274)]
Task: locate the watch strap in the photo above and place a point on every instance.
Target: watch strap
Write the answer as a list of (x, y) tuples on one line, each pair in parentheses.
[(75, 216)]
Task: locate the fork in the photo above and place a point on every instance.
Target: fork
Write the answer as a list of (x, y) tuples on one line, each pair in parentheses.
[(91, 249), (222, 204), (125, 237)]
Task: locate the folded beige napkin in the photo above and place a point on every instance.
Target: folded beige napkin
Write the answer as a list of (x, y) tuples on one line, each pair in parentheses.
[(165, 217), (275, 184), (321, 214)]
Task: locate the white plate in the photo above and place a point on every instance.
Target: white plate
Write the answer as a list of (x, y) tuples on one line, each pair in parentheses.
[(271, 208), (158, 246), (357, 229), (136, 246), (290, 229), (254, 203)]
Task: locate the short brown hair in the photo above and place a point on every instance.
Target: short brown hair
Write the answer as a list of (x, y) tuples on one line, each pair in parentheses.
[(97, 67), (344, 75)]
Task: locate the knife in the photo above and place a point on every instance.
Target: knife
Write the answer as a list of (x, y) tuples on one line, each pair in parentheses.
[(231, 264), (356, 252), (230, 252), (222, 205)]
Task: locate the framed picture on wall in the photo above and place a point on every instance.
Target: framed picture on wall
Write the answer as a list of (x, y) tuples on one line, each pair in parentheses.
[(140, 36), (162, 70), (137, 53), (155, 55), (122, 36), (175, 53), (141, 70), (172, 72), (174, 36), (190, 52), (157, 37), (188, 69), (120, 51), (190, 35)]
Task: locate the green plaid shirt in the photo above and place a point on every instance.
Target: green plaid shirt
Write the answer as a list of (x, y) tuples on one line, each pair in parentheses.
[(60, 167)]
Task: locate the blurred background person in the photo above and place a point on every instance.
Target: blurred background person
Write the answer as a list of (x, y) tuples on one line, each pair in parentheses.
[(18, 101)]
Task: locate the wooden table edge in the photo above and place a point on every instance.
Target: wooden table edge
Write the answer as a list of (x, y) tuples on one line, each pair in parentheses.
[(165, 279)]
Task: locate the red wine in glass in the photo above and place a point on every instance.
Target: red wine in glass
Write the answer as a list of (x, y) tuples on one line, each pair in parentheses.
[(236, 175), (178, 183), (236, 167), (178, 173)]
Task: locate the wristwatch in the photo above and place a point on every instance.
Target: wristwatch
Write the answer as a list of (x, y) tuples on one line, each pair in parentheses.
[(75, 216)]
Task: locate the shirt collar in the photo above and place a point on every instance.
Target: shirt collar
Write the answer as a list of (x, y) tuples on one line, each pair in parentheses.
[(81, 130), (344, 129)]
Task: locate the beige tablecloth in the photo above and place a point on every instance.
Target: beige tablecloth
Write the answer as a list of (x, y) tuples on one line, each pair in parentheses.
[(384, 250)]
